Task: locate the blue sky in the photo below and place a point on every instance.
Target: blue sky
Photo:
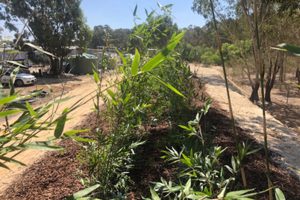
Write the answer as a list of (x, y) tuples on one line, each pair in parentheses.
[(119, 13)]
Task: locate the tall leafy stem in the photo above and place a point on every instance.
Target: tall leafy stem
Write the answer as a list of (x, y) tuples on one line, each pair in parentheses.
[(262, 74), (219, 42)]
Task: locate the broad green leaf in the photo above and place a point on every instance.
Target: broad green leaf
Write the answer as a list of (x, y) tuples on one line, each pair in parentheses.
[(8, 112), (279, 194), (7, 99), (61, 124), (85, 192), (154, 195), (162, 56), (135, 63), (168, 85)]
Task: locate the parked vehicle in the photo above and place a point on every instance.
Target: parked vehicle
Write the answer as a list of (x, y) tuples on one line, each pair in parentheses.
[(22, 78)]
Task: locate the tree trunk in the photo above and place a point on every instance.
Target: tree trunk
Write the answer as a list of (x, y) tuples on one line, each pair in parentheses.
[(254, 95), (273, 70), (55, 66), (268, 92)]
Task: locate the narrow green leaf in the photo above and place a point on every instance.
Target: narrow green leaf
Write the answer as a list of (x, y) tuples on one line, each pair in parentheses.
[(124, 61), (186, 160), (61, 124), (8, 112), (82, 139), (187, 187), (85, 192), (161, 56), (96, 76), (184, 127), (75, 132), (154, 195), (30, 110), (279, 194), (111, 94), (8, 99), (41, 146), (168, 85), (135, 63)]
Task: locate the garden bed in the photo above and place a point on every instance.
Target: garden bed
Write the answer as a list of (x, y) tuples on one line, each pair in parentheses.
[(58, 174)]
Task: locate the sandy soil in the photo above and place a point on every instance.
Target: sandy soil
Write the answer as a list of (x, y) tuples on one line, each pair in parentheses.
[(85, 87), (285, 110), (282, 140)]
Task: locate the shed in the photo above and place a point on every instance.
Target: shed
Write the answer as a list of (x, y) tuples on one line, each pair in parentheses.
[(82, 64)]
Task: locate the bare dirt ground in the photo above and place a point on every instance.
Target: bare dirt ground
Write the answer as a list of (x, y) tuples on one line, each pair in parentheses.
[(286, 110), (284, 142), (78, 88)]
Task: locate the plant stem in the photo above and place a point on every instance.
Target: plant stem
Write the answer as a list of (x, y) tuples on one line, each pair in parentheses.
[(262, 73), (218, 38)]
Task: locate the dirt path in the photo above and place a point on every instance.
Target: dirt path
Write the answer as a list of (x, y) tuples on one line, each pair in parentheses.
[(282, 140), (29, 157)]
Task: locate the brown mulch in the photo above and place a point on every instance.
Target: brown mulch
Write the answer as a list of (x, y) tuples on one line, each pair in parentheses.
[(55, 176), (254, 164)]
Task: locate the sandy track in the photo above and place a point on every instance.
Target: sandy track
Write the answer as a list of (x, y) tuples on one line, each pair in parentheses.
[(282, 140), (28, 157)]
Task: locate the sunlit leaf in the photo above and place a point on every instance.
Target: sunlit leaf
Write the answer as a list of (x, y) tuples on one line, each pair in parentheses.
[(135, 63), (161, 56), (279, 194), (8, 112), (168, 85), (7, 99), (75, 132), (85, 192), (154, 195)]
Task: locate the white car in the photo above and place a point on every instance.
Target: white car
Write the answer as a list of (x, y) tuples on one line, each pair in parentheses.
[(21, 79)]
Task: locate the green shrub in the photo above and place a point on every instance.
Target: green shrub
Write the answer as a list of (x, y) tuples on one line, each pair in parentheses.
[(210, 57)]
